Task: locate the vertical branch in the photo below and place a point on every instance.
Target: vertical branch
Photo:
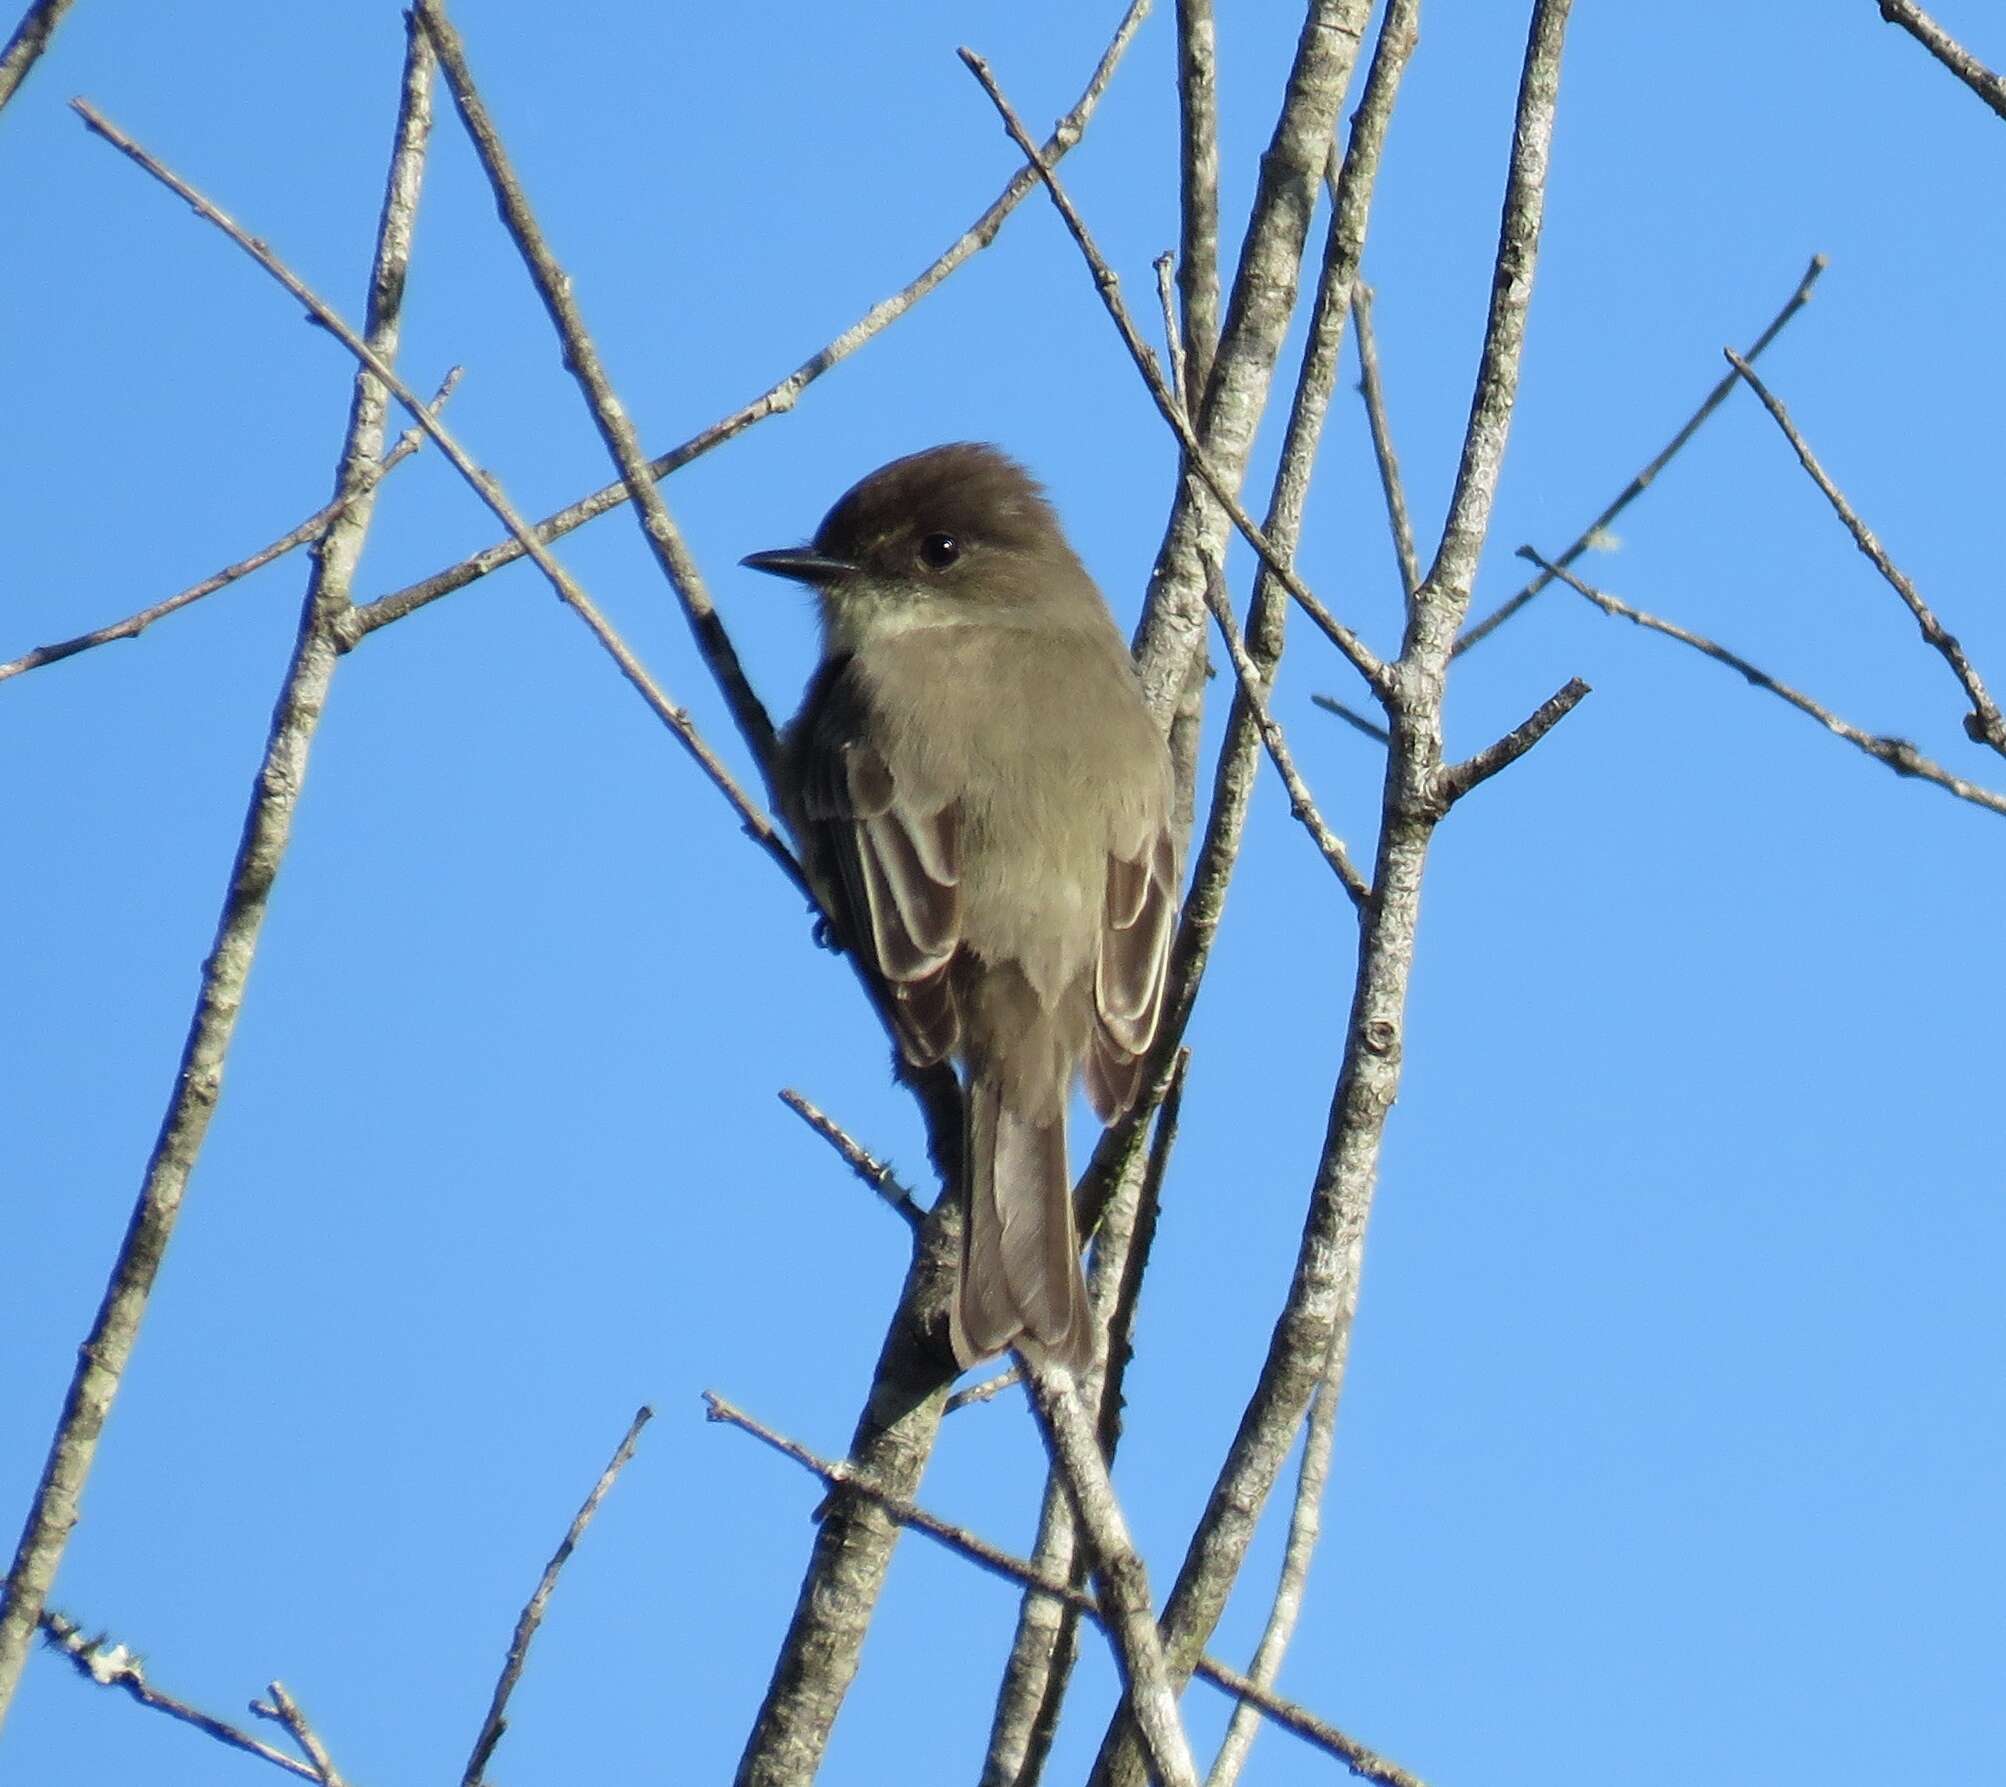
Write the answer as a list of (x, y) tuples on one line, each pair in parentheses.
[(1198, 190), (1170, 641), (1323, 1294), (102, 1359)]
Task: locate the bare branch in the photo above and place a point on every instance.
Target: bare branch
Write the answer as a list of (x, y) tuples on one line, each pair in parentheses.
[(1353, 718), (284, 1710), (1305, 1528), (102, 1359), (778, 399), (1897, 753), (1173, 335), (1636, 487), (31, 37), (1365, 1763), (1266, 286), (1130, 1614), (1045, 1645), (531, 1617), (112, 1665), (1197, 195), (867, 1166), (1456, 779), (1302, 804), (757, 826), (1382, 443), (1354, 648), (310, 529), (623, 441), (1985, 724), (1322, 1297), (1947, 50)]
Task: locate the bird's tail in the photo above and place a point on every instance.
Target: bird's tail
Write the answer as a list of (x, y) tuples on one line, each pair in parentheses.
[(1020, 1256)]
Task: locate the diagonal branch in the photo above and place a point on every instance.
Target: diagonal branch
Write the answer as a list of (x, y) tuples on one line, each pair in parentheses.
[(1985, 724), (1361, 655), (496, 1721), (1897, 753), (757, 826), (114, 1666), (1457, 779), (1947, 50), (875, 1173), (1302, 804), (780, 398), (623, 441), (1636, 487), (302, 697), (1045, 1645), (310, 529), (1365, 1763), (284, 1710), (1128, 1612), (1388, 460), (31, 37)]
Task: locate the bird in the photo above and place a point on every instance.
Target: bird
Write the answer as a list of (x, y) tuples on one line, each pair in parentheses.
[(982, 803)]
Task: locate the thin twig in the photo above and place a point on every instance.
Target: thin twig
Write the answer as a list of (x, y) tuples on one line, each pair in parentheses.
[(1364, 723), (531, 1617), (31, 37), (1305, 1528), (1985, 724), (616, 429), (756, 824), (1302, 804), (778, 399), (112, 1665), (1173, 335), (1897, 753), (261, 848), (1323, 1293), (1370, 390), (1636, 487), (1456, 779), (875, 1173), (310, 529), (838, 1475), (283, 1709), (1947, 50), (1362, 657), (988, 1390)]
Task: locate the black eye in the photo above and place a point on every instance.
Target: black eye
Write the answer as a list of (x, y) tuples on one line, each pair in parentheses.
[(938, 551)]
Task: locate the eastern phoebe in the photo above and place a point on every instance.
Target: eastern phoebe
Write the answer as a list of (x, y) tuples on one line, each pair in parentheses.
[(983, 804)]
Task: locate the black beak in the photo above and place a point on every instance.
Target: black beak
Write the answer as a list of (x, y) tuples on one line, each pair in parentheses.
[(802, 563)]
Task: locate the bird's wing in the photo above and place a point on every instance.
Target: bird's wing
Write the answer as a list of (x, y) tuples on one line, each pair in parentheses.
[(896, 862), (1129, 975)]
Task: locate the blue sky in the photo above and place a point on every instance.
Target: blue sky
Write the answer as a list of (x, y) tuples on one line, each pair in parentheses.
[(1672, 1443)]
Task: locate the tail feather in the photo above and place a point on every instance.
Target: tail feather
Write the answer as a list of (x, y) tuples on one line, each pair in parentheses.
[(1020, 1279)]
